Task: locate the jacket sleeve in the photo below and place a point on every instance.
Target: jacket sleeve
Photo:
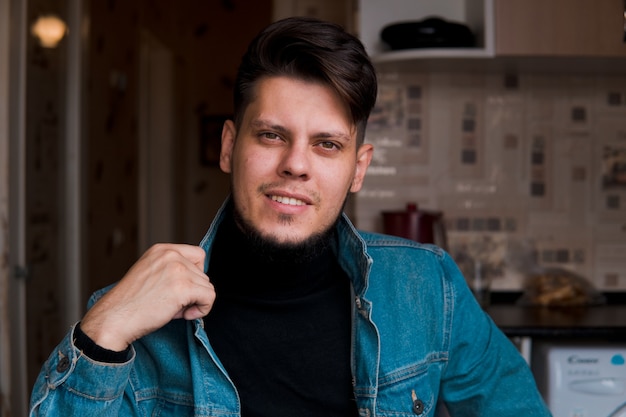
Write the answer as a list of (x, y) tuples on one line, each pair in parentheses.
[(71, 384), (485, 375)]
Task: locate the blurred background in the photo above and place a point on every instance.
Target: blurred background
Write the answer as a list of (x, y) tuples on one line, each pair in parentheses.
[(510, 133)]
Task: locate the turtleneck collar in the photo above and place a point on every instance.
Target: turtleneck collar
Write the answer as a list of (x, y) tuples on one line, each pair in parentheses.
[(244, 266)]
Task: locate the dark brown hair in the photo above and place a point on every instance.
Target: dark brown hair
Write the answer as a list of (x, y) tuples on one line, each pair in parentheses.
[(311, 50)]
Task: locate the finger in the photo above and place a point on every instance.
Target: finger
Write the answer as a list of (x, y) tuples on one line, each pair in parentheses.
[(195, 254), (196, 311), (175, 260), (200, 307), (165, 251)]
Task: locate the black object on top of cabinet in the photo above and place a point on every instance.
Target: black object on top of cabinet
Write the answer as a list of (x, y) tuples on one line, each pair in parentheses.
[(431, 32)]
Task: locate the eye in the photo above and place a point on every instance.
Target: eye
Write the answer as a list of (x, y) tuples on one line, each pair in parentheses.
[(269, 135), (327, 145)]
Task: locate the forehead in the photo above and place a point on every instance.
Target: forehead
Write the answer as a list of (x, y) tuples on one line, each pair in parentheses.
[(297, 99)]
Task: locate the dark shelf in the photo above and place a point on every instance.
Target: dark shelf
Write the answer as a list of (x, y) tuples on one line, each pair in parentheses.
[(603, 321)]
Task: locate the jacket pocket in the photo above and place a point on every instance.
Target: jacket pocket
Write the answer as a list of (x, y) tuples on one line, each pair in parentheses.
[(409, 391)]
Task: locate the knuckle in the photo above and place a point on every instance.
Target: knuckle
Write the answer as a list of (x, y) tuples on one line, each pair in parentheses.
[(176, 268), (168, 255), (157, 247), (198, 250)]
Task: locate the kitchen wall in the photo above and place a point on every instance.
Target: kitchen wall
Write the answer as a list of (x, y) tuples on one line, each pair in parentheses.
[(529, 168)]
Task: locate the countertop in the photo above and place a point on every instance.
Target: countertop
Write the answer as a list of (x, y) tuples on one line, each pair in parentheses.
[(607, 321)]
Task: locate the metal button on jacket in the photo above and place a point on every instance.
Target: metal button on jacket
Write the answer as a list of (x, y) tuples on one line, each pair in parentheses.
[(63, 365), (418, 405)]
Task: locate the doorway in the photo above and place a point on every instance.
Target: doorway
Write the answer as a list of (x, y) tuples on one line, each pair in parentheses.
[(156, 143)]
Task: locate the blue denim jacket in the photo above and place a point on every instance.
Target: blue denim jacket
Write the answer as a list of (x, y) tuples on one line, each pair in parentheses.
[(418, 337)]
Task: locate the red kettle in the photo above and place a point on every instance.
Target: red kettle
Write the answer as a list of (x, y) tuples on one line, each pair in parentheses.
[(423, 226)]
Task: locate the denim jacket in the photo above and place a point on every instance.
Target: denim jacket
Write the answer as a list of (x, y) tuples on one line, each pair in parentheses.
[(419, 337)]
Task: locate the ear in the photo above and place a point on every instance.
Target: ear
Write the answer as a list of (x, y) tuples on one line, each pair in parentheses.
[(363, 159), (229, 133)]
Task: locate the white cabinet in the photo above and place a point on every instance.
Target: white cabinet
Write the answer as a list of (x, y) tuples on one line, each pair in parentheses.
[(376, 14)]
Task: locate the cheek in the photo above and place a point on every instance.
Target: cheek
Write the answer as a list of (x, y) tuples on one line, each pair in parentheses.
[(249, 172), (257, 162), (246, 166), (338, 183)]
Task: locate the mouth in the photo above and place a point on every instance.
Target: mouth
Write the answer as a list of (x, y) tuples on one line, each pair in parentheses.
[(290, 201)]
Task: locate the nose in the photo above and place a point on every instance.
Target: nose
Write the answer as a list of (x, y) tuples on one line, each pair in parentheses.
[(295, 162)]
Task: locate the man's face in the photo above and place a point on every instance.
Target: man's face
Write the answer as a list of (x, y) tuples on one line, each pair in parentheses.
[(293, 160)]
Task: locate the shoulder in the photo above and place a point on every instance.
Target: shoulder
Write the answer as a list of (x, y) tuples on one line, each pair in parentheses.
[(421, 267), (381, 243), (405, 259)]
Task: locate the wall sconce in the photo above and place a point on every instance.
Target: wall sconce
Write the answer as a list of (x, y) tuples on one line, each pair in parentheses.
[(49, 30)]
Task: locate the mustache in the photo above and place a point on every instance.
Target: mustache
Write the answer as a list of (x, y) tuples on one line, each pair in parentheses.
[(266, 188)]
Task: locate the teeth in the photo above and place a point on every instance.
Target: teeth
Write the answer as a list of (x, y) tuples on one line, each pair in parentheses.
[(287, 200)]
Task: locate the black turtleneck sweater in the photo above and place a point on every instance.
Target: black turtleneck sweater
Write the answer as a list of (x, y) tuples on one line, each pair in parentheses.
[(281, 328)]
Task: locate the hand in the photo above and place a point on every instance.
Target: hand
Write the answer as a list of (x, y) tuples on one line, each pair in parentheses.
[(166, 283)]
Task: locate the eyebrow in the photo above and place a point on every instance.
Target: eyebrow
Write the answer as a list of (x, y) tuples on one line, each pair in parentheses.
[(266, 124)]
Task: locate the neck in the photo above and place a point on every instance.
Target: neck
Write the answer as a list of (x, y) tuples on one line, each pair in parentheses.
[(243, 262)]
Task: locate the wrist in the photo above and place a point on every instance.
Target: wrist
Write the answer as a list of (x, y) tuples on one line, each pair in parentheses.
[(97, 332), (92, 350)]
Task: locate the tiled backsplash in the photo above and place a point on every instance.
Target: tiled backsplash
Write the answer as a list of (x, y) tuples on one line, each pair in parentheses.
[(529, 169)]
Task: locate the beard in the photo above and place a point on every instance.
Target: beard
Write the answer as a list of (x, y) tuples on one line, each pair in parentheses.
[(275, 251)]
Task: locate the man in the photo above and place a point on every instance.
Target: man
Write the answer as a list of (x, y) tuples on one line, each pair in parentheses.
[(285, 309)]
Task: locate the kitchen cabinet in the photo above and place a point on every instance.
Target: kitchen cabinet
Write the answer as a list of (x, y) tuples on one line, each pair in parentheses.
[(592, 28), (504, 28), (374, 15)]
